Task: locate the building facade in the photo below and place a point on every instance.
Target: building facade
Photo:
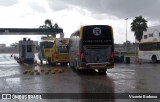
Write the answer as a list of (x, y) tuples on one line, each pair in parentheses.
[(152, 34), (2, 46)]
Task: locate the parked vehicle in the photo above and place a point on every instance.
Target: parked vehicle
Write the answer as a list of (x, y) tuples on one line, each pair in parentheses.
[(92, 47), (54, 50)]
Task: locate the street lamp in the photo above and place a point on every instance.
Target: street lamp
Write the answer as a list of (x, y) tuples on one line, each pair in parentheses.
[(126, 35)]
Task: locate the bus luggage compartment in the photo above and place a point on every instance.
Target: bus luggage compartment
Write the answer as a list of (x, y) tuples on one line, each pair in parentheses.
[(98, 56)]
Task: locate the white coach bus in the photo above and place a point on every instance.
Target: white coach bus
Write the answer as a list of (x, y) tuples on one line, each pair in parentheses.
[(149, 47)]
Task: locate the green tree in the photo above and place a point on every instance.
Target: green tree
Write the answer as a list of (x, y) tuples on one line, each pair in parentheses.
[(49, 25), (56, 26), (139, 25)]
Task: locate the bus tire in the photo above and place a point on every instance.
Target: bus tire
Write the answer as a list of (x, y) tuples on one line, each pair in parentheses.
[(71, 66), (154, 59), (102, 71), (64, 64), (54, 64), (77, 68), (49, 61), (41, 61), (79, 71)]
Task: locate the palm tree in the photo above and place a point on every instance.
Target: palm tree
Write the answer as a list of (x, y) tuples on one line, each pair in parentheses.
[(48, 23), (139, 25), (56, 26)]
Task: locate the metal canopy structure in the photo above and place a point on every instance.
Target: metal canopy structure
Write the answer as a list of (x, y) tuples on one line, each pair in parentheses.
[(31, 31)]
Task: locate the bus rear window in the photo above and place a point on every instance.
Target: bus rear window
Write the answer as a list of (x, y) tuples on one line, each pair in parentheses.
[(99, 34), (62, 49), (29, 48)]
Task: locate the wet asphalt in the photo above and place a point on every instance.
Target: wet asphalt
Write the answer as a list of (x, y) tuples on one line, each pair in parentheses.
[(123, 78)]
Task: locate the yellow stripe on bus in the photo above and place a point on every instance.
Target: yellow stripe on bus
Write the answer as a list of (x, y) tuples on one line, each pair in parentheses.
[(81, 33)]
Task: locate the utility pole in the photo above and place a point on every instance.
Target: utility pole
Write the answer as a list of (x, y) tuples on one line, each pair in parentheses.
[(126, 35)]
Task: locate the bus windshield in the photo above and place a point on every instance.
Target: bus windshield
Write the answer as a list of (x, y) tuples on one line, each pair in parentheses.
[(97, 35), (46, 44)]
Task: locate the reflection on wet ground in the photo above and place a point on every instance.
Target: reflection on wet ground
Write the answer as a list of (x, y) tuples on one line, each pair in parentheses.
[(123, 78)]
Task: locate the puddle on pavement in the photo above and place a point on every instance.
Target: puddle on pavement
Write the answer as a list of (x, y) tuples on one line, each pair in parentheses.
[(8, 73), (13, 80)]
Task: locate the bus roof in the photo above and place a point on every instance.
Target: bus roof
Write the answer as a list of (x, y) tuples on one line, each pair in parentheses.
[(95, 25), (47, 38), (74, 33)]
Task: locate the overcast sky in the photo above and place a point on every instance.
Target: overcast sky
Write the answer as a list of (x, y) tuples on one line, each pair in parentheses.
[(71, 14)]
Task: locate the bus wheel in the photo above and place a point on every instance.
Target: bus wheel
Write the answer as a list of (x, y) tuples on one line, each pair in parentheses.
[(64, 64), (41, 61), (102, 71), (77, 68), (53, 64), (70, 65), (154, 59), (49, 61)]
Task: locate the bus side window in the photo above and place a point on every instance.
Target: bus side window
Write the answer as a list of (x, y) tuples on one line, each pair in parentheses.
[(154, 46), (158, 46)]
